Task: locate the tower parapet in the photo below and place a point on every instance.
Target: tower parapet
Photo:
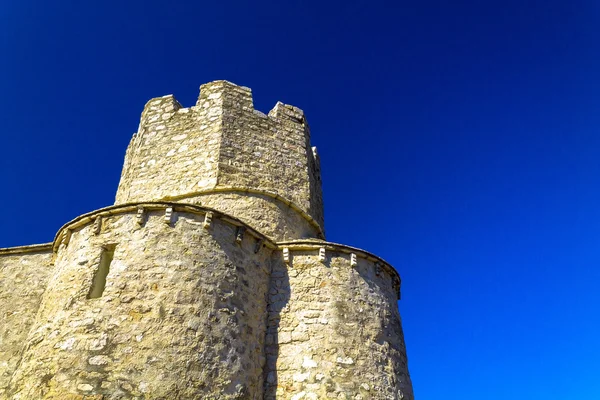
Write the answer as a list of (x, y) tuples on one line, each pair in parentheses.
[(223, 153)]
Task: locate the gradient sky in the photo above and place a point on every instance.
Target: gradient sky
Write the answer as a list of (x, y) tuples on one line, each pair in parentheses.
[(459, 141)]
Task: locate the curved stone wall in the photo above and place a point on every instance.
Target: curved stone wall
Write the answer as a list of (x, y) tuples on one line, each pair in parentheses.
[(220, 143), (182, 315), (270, 216), (334, 329), (24, 273)]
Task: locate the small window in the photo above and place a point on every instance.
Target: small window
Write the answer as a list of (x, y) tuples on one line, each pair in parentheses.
[(99, 281)]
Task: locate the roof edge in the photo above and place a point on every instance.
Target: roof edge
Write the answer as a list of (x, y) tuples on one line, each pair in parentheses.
[(153, 205), (32, 248), (309, 244)]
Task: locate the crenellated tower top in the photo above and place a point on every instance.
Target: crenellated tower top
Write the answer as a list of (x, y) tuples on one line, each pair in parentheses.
[(224, 154)]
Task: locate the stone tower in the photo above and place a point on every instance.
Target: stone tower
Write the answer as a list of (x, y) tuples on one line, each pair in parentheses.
[(209, 278)]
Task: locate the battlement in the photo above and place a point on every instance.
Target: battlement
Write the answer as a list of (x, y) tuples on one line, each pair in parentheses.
[(224, 144), (213, 95), (159, 109), (228, 94)]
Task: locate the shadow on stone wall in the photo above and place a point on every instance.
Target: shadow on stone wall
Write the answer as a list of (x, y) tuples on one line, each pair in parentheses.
[(279, 296)]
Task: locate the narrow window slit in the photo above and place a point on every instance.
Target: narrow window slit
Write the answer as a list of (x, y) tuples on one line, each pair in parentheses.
[(99, 281)]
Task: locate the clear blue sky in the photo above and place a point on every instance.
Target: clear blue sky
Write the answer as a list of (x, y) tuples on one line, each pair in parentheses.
[(459, 140)]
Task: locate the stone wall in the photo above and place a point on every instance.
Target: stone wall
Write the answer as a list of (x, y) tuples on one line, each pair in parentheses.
[(223, 143), (271, 153), (174, 152), (262, 212), (334, 328), (182, 315), (24, 273)]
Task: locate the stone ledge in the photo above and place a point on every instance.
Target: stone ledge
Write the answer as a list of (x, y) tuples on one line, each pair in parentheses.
[(315, 244), (279, 111), (150, 206), (267, 193), (33, 248)]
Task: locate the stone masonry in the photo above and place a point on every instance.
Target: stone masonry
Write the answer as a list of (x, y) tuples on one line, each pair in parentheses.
[(209, 278)]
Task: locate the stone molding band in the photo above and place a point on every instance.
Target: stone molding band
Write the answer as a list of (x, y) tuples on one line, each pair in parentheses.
[(235, 189), (292, 245), (34, 248), (317, 245), (153, 206)]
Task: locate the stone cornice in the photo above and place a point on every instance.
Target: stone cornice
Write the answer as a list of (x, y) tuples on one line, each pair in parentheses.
[(33, 248), (151, 206), (267, 193), (313, 244)]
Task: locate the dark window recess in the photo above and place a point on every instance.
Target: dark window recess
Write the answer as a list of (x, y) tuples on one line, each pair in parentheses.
[(99, 281)]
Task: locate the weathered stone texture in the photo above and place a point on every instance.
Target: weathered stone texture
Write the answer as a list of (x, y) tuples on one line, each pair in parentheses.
[(219, 282), (270, 153), (260, 212), (23, 279), (223, 143), (182, 316), (334, 329), (174, 152)]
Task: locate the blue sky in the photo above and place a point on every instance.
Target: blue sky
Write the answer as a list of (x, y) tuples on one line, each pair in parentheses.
[(459, 141)]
